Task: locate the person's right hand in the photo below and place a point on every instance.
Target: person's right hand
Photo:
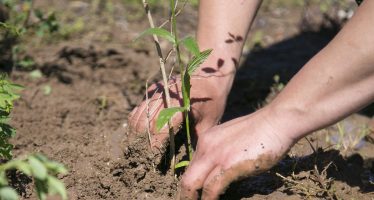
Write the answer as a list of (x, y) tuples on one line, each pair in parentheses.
[(238, 148), (208, 99)]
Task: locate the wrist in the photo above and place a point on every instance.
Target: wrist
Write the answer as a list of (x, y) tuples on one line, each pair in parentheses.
[(290, 120)]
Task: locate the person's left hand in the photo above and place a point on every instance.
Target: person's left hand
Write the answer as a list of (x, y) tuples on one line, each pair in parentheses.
[(239, 148)]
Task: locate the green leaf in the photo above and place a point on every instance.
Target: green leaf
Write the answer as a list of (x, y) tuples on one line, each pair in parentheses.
[(13, 86), (39, 14), (56, 167), (41, 189), (41, 157), (26, 63), (55, 186), (3, 178), (47, 89), (197, 60), (37, 168), (182, 164), (23, 167), (36, 74), (191, 45), (52, 166), (159, 32), (8, 193), (165, 115), (5, 96)]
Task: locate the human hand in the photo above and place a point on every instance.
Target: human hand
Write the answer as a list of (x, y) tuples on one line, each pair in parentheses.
[(236, 149), (207, 106)]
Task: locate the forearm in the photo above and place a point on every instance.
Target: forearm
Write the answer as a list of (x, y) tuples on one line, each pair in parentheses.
[(223, 26), (336, 82)]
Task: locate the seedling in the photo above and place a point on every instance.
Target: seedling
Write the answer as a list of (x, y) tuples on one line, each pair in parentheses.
[(42, 170), (37, 166), (187, 70), (8, 93)]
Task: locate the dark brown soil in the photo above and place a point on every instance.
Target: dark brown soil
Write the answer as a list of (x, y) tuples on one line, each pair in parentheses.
[(97, 80)]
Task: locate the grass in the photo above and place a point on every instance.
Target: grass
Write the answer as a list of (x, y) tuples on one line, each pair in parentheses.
[(311, 184), (346, 140)]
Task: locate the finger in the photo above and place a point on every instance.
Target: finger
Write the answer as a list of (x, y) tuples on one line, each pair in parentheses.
[(133, 117), (143, 119), (155, 95), (218, 180), (193, 179), (209, 192), (132, 113)]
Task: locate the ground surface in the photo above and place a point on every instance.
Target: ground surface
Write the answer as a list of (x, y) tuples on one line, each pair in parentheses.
[(97, 76)]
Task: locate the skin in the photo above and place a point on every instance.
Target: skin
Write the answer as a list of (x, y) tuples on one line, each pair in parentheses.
[(336, 82), (211, 83)]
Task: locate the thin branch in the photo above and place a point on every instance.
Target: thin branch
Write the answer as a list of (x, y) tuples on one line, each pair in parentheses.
[(165, 80), (147, 104), (176, 15), (311, 145)]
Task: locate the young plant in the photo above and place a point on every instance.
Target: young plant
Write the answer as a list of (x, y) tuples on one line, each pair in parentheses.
[(17, 24), (187, 70), (42, 170), (8, 93), (44, 174)]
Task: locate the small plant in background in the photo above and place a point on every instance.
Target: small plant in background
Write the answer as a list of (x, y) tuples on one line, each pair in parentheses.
[(7, 96), (346, 137), (20, 13), (42, 170), (275, 89), (44, 174), (18, 23), (186, 70)]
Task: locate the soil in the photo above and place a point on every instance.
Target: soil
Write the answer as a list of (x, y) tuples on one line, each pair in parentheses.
[(97, 76)]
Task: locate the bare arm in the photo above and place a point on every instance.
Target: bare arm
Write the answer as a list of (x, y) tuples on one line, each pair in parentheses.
[(336, 82), (223, 26), (339, 80)]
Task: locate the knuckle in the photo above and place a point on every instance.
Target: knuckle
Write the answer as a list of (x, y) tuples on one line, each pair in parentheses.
[(203, 141), (185, 183)]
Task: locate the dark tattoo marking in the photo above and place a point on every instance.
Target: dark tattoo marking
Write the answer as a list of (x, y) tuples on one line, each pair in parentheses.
[(209, 70), (234, 38), (239, 38), (229, 41), (232, 35), (220, 62)]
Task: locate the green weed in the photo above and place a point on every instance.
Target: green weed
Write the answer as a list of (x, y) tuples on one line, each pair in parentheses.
[(8, 94), (42, 170)]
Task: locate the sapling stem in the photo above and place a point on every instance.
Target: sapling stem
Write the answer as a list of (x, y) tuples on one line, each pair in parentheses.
[(165, 80), (183, 72), (147, 103)]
